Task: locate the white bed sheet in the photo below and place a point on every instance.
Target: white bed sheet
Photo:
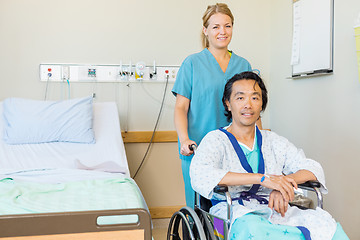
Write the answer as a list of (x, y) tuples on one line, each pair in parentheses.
[(107, 154)]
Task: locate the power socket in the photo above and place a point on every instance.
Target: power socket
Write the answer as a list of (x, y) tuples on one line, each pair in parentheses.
[(163, 72), (50, 72)]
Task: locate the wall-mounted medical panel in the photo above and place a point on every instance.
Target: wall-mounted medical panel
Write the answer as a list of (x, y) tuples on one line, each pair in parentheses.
[(138, 72)]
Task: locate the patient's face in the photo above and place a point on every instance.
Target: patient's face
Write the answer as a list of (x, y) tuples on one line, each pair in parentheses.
[(245, 102)]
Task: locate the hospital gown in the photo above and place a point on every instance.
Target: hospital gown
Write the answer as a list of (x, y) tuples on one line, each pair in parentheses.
[(216, 156)]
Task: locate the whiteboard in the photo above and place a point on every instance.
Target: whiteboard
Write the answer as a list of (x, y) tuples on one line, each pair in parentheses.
[(312, 49)]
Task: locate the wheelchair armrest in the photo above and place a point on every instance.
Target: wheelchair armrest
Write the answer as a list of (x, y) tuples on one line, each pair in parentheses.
[(224, 190), (310, 184), (313, 186), (221, 189), (204, 203)]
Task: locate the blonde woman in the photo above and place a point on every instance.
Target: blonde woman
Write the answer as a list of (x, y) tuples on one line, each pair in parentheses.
[(200, 83)]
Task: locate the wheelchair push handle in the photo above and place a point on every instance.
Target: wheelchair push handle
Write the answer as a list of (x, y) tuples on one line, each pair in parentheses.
[(193, 147)]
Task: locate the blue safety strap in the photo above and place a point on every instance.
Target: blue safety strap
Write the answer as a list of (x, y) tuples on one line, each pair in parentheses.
[(242, 156), (305, 232)]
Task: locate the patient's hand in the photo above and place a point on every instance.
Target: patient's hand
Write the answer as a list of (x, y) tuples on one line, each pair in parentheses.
[(284, 184), (278, 203)]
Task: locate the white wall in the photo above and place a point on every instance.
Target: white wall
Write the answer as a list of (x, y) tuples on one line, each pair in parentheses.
[(107, 32), (321, 114)]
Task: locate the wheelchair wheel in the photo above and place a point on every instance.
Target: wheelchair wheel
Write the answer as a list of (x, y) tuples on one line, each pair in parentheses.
[(185, 225)]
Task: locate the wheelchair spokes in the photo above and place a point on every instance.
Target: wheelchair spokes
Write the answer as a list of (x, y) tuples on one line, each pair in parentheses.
[(185, 225)]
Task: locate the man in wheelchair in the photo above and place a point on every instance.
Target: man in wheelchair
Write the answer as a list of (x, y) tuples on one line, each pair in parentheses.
[(261, 170)]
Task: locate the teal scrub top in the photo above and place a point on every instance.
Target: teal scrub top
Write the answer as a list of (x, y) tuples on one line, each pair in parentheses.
[(252, 156), (201, 80)]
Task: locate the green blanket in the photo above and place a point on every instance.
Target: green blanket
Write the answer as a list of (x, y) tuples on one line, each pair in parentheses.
[(17, 197)]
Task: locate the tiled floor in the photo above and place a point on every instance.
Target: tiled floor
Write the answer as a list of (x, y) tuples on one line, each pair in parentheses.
[(160, 227)]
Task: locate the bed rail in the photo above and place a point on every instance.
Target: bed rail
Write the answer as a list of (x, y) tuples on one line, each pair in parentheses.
[(72, 222)]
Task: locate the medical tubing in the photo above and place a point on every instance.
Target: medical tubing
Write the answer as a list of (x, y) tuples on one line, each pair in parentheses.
[(155, 127), (152, 97), (68, 89), (47, 85), (68, 84), (127, 107), (94, 88)]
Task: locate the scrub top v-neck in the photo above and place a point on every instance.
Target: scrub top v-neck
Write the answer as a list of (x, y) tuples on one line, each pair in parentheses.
[(201, 80)]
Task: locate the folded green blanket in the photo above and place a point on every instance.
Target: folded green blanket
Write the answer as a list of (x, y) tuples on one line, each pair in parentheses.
[(17, 197)]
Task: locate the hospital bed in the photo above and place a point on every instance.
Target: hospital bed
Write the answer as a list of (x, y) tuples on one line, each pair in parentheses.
[(69, 188)]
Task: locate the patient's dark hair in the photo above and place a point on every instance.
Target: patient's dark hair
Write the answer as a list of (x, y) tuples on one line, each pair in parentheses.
[(243, 76)]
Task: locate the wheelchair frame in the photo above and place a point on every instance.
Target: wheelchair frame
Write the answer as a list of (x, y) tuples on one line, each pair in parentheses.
[(198, 223)]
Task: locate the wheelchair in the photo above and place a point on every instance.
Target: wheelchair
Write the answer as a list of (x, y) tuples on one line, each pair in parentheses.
[(199, 224)]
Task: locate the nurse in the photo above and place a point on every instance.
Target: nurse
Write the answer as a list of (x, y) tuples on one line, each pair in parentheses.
[(200, 83)]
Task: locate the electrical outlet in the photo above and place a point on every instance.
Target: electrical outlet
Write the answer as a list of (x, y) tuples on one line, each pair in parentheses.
[(50, 72), (163, 72)]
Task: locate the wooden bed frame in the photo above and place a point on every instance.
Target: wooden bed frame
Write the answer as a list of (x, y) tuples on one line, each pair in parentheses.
[(75, 225)]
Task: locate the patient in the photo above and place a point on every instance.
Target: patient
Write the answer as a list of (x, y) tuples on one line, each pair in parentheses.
[(261, 169)]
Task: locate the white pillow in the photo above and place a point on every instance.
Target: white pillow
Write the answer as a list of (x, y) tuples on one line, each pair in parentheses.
[(31, 121)]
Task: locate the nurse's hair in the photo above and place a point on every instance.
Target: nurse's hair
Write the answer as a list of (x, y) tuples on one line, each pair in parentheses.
[(211, 10), (243, 76)]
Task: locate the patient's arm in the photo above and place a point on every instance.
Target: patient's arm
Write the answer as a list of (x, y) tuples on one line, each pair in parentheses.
[(285, 185), (302, 176), (277, 202), (276, 199)]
